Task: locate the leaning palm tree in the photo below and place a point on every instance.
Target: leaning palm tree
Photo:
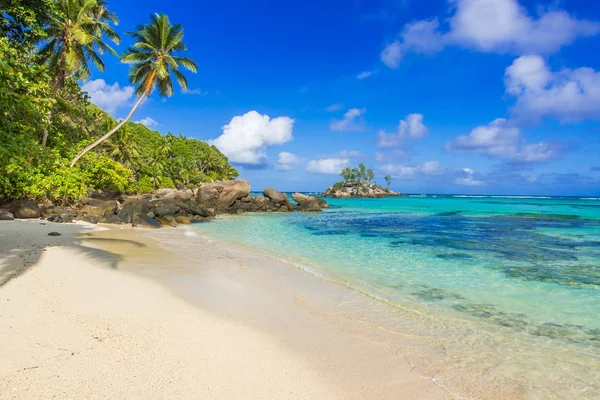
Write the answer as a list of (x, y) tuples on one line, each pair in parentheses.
[(154, 63), (76, 39)]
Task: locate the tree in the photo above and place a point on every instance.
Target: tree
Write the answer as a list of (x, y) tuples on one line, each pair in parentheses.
[(348, 174), (370, 175), (388, 180), (75, 38), (154, 64), (362, 172)]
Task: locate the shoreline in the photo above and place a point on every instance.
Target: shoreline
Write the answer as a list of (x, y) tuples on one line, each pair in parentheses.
[(158, 344)]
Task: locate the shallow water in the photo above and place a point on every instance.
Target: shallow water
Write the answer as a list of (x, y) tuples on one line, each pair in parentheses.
[(509, 285)]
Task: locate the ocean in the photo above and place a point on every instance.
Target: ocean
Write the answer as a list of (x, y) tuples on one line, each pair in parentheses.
[(509, 286)]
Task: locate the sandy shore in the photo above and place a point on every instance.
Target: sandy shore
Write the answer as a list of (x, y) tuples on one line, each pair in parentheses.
[(74, 325)]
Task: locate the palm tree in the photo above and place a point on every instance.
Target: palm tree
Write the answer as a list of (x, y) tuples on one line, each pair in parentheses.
[(388, 180), (76, 39), (154, 63), (123, 149)]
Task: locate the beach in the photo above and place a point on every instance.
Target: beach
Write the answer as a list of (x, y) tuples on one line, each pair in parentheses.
[(84, 315)]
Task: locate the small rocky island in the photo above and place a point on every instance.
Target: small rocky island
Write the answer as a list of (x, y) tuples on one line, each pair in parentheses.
[(358, 183)]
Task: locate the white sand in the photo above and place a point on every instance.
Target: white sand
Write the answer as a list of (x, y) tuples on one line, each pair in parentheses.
[(71, 327)]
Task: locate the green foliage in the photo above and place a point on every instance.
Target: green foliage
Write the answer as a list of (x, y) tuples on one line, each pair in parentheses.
[(338, 185), (22, 21), (63, 185), (153, 59), (144, 185), (105, 174), (359, 174), (76, 39), (388, 180), (134, 160)]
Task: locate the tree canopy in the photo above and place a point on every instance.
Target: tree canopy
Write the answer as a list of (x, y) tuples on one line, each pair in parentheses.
[(134, 160)]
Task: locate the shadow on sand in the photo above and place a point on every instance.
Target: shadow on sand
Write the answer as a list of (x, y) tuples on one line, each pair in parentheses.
[(22, 244)]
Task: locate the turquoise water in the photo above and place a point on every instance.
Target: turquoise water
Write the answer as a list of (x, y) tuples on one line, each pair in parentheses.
[(528, 267)]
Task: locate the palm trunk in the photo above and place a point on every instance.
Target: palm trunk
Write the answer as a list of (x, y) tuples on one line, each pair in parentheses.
[(109, 134)]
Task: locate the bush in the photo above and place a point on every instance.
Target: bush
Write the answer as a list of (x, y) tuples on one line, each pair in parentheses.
[(338, 185), (143, 185), (106, 174), (166, 183), (63, 185)]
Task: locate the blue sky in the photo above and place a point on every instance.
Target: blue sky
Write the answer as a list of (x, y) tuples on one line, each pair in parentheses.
[(447, 96)]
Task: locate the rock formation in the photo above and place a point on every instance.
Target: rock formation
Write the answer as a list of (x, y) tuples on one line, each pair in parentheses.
[(166, 207), (346, 190)]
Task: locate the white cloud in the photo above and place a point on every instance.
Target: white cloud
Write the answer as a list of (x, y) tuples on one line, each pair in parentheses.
[(348, 154), (148, 122), (469, 179), (287, 161), (501, 139), (108, 97), (501, 26), (364, 74), (432, 170), (334, 107), (567, 95), (198, 92), (246, 137), (410, 128), (419, 37), (406, 171), (352, 121), (327, 165)]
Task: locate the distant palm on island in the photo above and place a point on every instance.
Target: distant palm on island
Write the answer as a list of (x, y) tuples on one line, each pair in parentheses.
[(358, 182)]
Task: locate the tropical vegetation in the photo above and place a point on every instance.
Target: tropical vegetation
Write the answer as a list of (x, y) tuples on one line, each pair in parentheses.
[(48, 48)]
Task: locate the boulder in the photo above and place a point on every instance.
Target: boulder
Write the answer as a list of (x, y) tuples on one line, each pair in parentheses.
[(133, 208), (307, 203), (6, 216), (172, 206), (180, 219), (141, 221), (98, 207), (164, 207), (107, 219), (26, 209), (166, 220), (93, 219), (61, 218), (259, 203), (222, 195), (183, 194), (49, 210), (276, 196)]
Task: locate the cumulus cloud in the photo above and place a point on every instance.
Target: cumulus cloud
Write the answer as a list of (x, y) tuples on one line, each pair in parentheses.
[(327, 165), (501, 26), (287, 161), (108, 97), (246, 137), (364, 74), (352, 121), (567, 95), (334, 107), (148, 122), (410, 128), (501, 139)]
